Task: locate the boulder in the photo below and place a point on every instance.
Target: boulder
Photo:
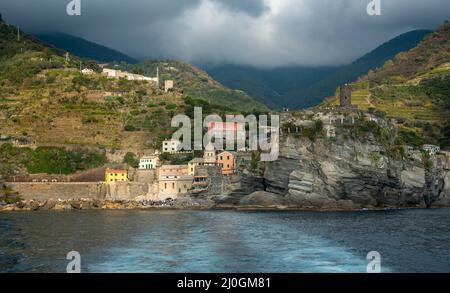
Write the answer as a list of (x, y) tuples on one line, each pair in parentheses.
[(48, 205), (262, 198)]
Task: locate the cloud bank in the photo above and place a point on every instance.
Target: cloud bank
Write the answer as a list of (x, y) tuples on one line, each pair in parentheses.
[(262, 33)]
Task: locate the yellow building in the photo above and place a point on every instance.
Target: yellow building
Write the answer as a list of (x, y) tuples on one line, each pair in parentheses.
[(114, 175)]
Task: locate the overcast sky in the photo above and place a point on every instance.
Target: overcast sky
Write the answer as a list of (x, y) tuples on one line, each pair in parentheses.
[(263, 33)]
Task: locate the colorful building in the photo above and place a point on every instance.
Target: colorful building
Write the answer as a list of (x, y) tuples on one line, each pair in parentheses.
[(225, 129), (116, 175), (227, 162), (194, 163)]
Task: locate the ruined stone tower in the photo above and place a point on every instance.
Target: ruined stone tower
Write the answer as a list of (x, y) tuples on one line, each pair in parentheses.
[(345, 95)]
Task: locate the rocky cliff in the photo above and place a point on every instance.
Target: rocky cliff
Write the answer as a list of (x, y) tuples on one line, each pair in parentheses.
[(346, 173)]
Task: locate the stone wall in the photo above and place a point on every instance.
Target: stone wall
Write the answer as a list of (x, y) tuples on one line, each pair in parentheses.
[(60, 190), (91, 190)]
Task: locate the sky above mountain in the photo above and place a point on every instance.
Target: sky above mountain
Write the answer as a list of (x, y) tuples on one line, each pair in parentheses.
[(262, 33)]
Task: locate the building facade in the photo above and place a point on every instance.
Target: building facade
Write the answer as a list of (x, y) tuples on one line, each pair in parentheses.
[(168, 85), (116, 175), (194, 163), (171, 146), (431, 149), (209, 154), (227, 161), (225, 129), (148, 163), (174, 180)]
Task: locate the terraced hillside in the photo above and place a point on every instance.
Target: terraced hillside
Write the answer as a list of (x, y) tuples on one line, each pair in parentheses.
[(52, 115), (414, 88), (196, 83)]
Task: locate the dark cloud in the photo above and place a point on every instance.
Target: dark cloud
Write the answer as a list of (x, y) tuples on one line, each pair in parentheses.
[(264, 33), (251, 7)]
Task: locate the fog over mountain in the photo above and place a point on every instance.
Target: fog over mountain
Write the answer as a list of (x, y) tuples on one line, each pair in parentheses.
[(262, 33)]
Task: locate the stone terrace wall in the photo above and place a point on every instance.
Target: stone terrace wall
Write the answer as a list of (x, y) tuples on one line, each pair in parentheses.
[(60, 190)]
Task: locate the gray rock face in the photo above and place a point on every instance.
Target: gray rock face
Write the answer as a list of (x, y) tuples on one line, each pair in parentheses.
[(262, 198), (345, 174)]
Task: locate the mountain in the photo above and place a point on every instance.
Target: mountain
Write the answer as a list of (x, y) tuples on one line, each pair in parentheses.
[(85, 49), (301, 87), (413, 88)]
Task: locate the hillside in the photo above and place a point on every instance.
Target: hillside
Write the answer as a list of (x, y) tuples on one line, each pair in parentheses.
[(301, 87), (60, 117), (414, 88), (193, 81), (196, 83), (85, 49)]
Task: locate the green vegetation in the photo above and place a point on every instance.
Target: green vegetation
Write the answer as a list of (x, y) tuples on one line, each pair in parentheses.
[(176, 159), (51, 160), (8, 196), (131, 160), (194, 82), (414, 89)]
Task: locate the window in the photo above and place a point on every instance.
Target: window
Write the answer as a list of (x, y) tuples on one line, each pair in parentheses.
[(173, 185), (165, 185)]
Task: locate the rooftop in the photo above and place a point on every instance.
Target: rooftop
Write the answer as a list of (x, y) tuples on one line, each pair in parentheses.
[(108, 170), (197, 160)]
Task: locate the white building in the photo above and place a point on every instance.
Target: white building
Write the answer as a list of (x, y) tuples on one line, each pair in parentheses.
[(209, 155), (113, 73), (171, 146), (431, 149), (331, 131), (168, 85), (87, 71), (148, 162)]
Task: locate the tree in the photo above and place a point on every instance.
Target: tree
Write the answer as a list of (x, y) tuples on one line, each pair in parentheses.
[(130, 159)]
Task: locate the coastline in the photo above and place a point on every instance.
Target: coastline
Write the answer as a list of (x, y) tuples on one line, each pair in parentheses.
[(87, 204)]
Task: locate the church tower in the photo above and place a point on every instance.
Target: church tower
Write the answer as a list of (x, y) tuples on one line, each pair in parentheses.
[(209, 155)]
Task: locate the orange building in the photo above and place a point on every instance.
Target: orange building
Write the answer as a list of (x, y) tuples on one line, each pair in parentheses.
[(227, 162), (225, 129)]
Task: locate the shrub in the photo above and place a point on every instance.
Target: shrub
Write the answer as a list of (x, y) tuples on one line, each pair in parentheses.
[(130, 159), (129, 128)]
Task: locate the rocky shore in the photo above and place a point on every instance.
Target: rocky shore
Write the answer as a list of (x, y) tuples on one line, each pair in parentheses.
[(91, 204), (257, 201)]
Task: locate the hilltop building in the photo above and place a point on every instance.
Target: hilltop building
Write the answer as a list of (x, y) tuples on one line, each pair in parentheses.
[(87, 71), (116, 175), (168, 85), (113, 73)]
